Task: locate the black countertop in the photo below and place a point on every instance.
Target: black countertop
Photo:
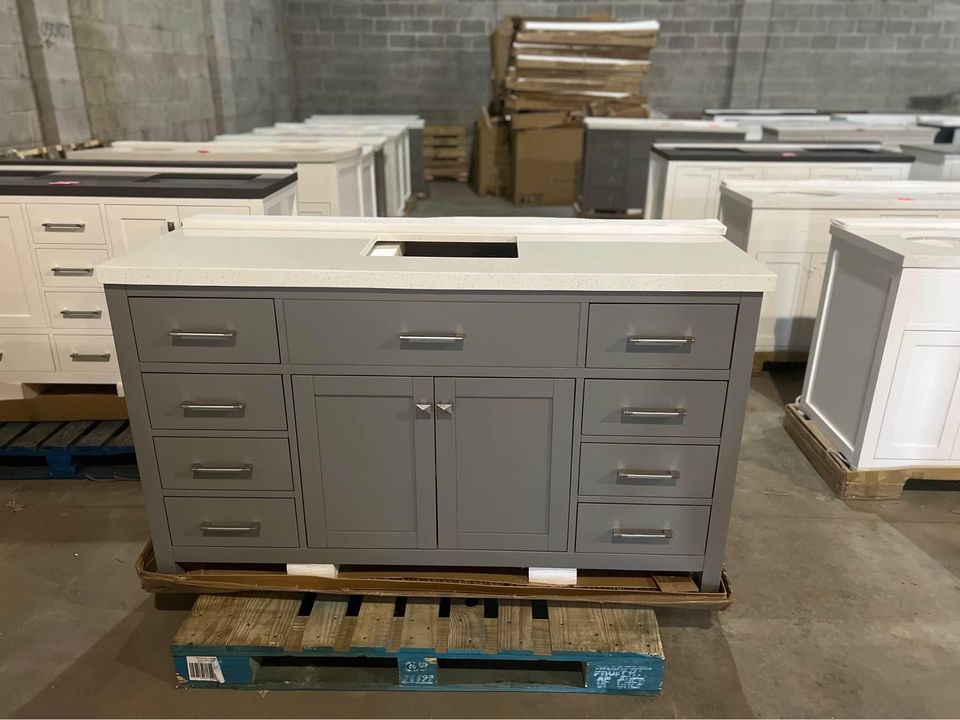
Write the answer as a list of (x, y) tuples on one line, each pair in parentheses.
[(32, 163), (32, 180), (792, 154)]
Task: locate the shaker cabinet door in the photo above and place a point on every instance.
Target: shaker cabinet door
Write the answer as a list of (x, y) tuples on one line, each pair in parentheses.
[(132, 225), (367, 461), (503, 463), (20, 302)]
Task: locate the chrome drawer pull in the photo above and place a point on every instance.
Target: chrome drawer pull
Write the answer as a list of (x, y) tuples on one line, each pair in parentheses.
[(211, 529), (434, 339), (200, 470), (630, 413), (63, 227), (639, 341), (81, 314), (200, 335), (653, 475), (82, 357), (72, 272), (187, 406), (664, 534)]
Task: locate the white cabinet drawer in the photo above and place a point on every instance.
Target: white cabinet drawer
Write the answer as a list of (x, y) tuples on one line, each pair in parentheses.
[(86, 353), (19, 353), (66, 223), (69, 267), (77, 310)]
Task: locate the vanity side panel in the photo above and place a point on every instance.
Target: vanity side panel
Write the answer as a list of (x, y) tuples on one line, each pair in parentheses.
[(125, 342), (731, 437)]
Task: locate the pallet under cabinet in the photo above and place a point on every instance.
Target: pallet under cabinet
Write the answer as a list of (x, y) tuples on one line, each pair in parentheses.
[(389, 427)]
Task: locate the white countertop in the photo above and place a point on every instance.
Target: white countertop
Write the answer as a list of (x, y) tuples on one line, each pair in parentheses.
[(907, 242), (307, 139), (554, 255), (412, 122), (622, 123), (844, 194), (718, 112), (218, 151), (845, 130), (936, 148)]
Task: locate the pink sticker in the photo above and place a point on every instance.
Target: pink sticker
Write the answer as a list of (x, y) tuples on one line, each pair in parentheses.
[(788, 154), (64, 182), (203, 152), (906, 198)]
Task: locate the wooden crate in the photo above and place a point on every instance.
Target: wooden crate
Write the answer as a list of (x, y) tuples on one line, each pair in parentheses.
[(847, 483), (271, 641), (446, 152)]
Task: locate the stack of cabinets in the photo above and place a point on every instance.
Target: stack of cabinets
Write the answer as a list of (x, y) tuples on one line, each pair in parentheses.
[(566, 431), (54, 321)]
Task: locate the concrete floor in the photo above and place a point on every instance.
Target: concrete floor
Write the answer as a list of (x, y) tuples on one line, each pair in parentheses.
[(843, 609)]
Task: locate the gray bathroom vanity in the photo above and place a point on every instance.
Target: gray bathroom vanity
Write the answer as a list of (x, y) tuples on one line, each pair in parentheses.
[(463, 391)]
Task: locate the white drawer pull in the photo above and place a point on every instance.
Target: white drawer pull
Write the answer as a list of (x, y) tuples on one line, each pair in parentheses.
[(647, 341), (621, 534), (85, 357), (212, 529), (647, 475), (81, 314), (63, 227), (633, 413), (72, 271)]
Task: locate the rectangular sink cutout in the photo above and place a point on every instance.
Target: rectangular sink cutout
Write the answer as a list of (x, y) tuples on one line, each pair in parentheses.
[(446, 246)]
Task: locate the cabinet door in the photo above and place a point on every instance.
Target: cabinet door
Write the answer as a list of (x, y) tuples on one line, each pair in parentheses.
[(367, 461), (691, 193), (186, 211), (787, 171), (782, 307), (803, 329), (20, 302), (503, 463), (889, 171), (131, 225), (922, 416)]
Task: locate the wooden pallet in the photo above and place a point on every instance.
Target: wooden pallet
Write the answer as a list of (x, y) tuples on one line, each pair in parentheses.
[(446, 153), (778, 357), (61, 449), (272, 641), (847, 483)]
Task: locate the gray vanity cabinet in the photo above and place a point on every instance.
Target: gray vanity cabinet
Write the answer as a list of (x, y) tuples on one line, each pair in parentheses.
[(503, 462), (367, 454)]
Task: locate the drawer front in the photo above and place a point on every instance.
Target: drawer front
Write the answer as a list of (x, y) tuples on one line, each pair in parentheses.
[(647, 529), (86, 353), (232, 522), (224, 463), (205, 330), (77, 310), (668, 408), (607, 141), (432, 333), (66, 223), (215, 402), (661, 336), (630, 470), (69, 267), (31, 353)]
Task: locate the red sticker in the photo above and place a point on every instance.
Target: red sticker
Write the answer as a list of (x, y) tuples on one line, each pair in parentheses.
[(203, 152), (906, 198)]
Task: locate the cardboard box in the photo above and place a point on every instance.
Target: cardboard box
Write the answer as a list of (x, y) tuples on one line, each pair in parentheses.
[(492, 156), (67, 402), (546, 167)]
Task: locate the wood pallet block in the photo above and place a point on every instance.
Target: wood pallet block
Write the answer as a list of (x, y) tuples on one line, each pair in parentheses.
[(847, 483), (58, 449), (268, 641)]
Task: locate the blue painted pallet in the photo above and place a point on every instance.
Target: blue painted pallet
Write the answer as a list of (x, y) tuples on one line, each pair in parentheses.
[(58, 449), (295, 641)]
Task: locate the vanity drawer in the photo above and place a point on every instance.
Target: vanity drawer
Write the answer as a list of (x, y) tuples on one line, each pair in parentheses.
[(215, 402), (632, 470), (205, 330), (647, 529), (69, 267), (224, 463), (86, 353), (66, 223), (358, 332), (77, 310), (25, 353), (232, 522), (668, 408), (661, 336)]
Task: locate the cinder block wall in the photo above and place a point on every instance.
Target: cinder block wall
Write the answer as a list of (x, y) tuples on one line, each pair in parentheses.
[(19, 121), (432, 56)]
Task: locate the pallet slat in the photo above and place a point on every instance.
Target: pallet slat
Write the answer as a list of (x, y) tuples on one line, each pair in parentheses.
[(33, 438), (9, 431), (68, 434), (420, 624), (101, 434), (324, 620)]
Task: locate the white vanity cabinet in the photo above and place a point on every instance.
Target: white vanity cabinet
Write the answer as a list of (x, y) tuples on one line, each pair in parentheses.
[(58, 221), (883, 382), (330, 181), (785, 225), (889, 134), (684, 180), (940, 161)]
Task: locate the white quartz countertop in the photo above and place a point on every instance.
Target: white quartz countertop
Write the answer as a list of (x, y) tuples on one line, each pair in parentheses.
[(574, 255), (844, 194), (218, 151), (615, 123), (907, 242)]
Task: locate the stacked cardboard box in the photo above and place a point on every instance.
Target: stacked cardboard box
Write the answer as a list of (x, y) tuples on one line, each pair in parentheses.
[(547, 75), (445, 152)]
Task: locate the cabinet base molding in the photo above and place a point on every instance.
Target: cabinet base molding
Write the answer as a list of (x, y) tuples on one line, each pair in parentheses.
[(552, 576), (848, 483), (313, 570), (762, 357)]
